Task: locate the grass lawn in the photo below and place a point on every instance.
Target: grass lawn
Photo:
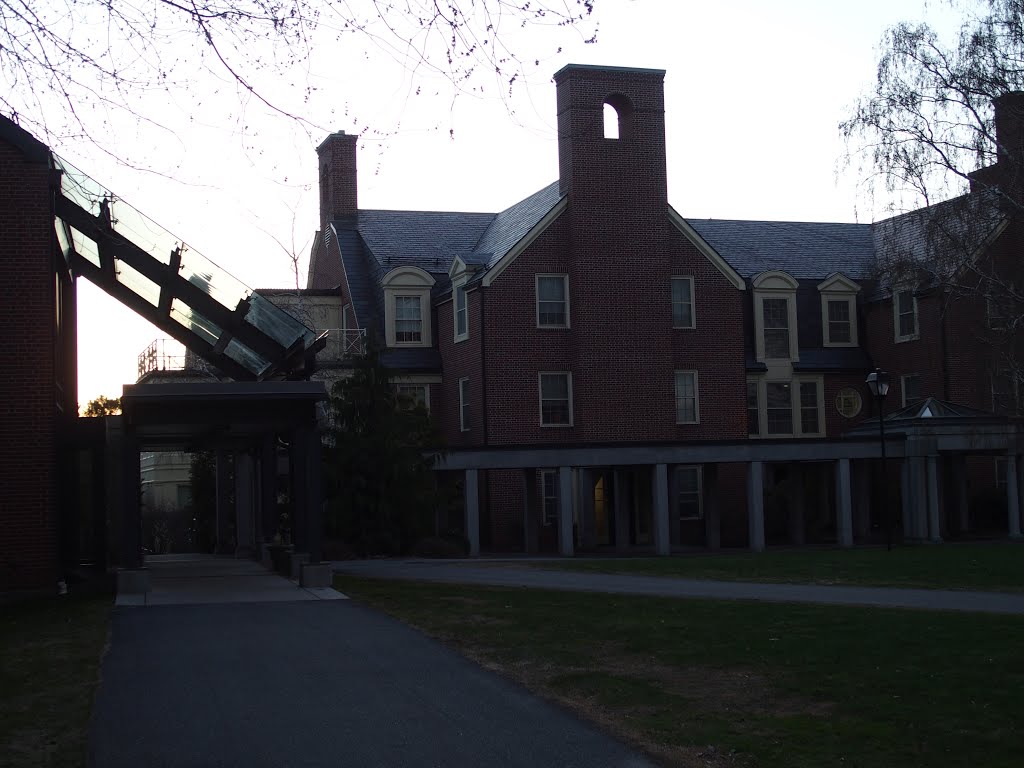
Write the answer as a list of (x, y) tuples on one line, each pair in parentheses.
[(704, 683), (993, 567), (50, 653)]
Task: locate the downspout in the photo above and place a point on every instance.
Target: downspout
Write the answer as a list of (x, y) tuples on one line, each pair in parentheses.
[(483, 361), (944, 347)]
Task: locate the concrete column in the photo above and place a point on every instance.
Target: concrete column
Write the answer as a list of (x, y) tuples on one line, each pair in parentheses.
[(918, 497), (958, 468), (565, 542), (797, 502), (861, 501), (659, 494), (712, 514), (934, 518), (844, 504), (588, 525), (531, 512), (472, 509), (621, 503), (905, 493), (755, 504), (1012, 496), (244, 505), (224, 545)]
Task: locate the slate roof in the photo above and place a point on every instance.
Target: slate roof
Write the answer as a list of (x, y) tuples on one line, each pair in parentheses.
[(806, 250), (940, 238), (376, 241), (511, 225)]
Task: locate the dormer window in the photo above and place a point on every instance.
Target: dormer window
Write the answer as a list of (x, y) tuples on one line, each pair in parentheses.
[(838, 311), (775, 317), (407, 307)]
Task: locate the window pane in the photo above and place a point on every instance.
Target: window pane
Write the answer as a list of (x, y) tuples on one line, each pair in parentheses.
[(911, 389), (464, 404), (688, 502), (460, 311), (780, 408), (839, 322), (907, 315), (551, 290), (408, 325), (776, 328), (809, 408), (549, 482), (753, 426), (554, 398), (682, 303), (686, 397)]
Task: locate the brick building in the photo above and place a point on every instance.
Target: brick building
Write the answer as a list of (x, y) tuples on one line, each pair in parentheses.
[(610, 374), (607, 374)]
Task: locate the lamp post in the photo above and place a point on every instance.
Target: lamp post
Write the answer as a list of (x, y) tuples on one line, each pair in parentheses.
[(878, 383)]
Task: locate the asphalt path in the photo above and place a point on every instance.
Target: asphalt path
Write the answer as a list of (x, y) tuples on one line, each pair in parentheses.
[(511, 575), (319, 683)]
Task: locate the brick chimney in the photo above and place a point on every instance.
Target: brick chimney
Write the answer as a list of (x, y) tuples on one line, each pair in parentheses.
[(338, 196), (627, 169), (1009, 124)]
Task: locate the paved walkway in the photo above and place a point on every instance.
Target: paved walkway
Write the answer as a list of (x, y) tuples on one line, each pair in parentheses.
[(311, 683), (195, 579), (497, 573)]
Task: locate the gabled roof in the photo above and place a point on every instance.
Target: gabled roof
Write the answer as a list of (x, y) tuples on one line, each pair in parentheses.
[(806, 250), (511, 225), (426, 239)]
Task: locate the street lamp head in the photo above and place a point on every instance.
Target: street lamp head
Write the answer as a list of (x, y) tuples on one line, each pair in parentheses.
[(878, 383)]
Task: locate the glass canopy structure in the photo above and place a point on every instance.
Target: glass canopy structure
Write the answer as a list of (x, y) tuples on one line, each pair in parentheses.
[(176, 288)]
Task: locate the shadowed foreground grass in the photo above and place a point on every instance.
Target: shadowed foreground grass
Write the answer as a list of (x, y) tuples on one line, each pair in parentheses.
[(987, 567), (704, 683), (50, 653)]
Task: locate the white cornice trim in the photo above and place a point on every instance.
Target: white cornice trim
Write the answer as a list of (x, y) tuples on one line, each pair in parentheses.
[(538, 229), (705, 248), (837, 282)]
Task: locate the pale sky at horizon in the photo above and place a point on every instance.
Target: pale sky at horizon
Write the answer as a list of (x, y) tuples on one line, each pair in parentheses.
[(754, 93)]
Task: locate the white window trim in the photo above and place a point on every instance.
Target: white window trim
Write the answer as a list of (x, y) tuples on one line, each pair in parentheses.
[(407, 281), (540, 399), (463, 402), (775, 285), (536, 302), (851, 302), (456, 287), (696, 396), (794, 404), (418, 380), (693, 302), (896, 317)]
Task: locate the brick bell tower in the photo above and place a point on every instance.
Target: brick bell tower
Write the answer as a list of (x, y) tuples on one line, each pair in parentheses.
[(621, 240)]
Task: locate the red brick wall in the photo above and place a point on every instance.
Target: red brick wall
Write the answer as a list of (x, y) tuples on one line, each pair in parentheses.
[(458, 360), (27, 389)]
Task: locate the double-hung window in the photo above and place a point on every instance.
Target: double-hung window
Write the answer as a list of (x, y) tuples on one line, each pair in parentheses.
[(779, 407), (549, 491), (910, 388), (414, 395), (552, 301), (686, 398), (753, 409), (775, 316), (840, 324), (464, 405), (408, 320), (556, 399), (461, 313), (905, 309), (688, 495), (809, 417), (682, 302)]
